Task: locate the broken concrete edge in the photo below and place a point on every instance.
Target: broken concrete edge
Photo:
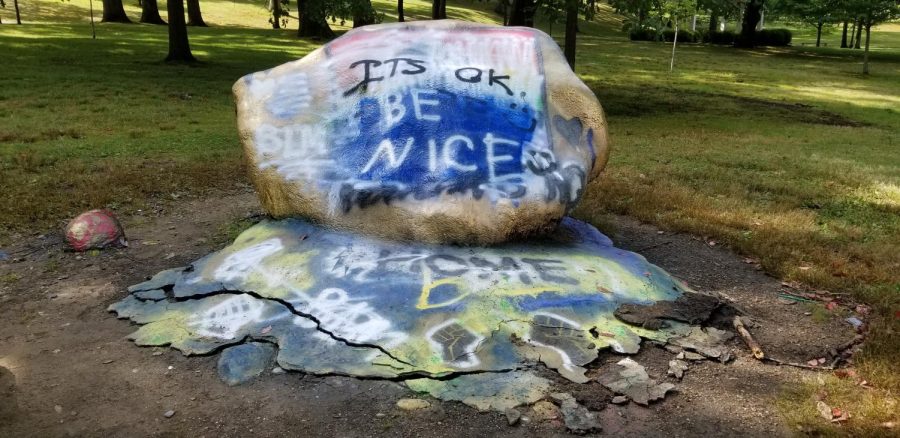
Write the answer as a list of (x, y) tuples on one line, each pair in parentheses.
[(576, 373)]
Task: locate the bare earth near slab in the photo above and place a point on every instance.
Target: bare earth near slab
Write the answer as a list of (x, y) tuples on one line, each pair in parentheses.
[(73, 371)]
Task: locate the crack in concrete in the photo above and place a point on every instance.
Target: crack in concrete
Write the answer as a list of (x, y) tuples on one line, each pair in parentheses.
[(296, 312)]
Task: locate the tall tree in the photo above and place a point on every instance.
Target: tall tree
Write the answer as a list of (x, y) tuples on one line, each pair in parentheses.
[(400, 16), (817, 13), (195, 18), (313, 19), (871, 13), (114, 12), (571, 31), (150, 12), (363, 13), (438, 9), (844, 36), (858, 37), (752, 15), (179, 48), (522, 13), (724, 9)]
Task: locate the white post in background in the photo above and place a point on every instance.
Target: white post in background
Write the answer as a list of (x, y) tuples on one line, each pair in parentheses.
[(762, 20), (674, 42), (722, 25), (694, 24)]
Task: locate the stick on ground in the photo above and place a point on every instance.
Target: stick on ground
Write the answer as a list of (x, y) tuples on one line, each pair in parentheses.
[(748, 338)]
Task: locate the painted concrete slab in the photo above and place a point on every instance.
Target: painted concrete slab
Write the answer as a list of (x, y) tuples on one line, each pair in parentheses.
[(339, 303)]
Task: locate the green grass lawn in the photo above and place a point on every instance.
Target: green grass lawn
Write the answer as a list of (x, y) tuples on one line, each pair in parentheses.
[(788, 155)]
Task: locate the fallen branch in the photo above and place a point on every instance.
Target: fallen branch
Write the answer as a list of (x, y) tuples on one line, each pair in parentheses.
[(748, 338), (797, 365)]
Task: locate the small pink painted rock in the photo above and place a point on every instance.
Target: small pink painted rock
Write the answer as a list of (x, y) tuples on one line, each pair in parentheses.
[(95, 229)]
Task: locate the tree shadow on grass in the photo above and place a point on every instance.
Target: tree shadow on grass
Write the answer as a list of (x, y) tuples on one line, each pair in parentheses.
[(644, 100)]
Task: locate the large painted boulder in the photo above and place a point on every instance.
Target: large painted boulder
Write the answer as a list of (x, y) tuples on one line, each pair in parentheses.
[(438, 131)]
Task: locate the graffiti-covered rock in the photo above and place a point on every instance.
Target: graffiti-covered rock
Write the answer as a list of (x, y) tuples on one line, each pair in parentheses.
[(438, 131)]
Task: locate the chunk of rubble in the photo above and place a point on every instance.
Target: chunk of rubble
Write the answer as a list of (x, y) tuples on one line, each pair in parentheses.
[(708, 341), (545, 411), (512, 416), (244, 362), (487, 391), (691, 308), (677, 368), (413, 404), (631, 379), (619, 400), (577, 418)]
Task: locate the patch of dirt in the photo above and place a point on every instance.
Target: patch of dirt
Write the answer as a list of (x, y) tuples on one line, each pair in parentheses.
[(66, 368)]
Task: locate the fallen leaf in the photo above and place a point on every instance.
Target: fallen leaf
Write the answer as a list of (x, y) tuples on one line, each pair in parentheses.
[(830, 305), (836, 412), (843, 374), (266, 330), (824, 410), (804, 268)]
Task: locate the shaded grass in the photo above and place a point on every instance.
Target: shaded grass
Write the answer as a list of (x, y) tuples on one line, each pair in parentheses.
[(788, 155)]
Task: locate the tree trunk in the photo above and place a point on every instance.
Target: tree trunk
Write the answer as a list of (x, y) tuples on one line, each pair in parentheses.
[(522, 13), (752, 14), (844, 36), (819, 33), (438, 9), (93, 29), (195, 18), (275, 7), (150, 12), (571, 31), (859, 25), (713, 21), (364, 14), (179, 48), (114, 12), (400, 17), (866, 53), (313, 22), (18, 17)]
